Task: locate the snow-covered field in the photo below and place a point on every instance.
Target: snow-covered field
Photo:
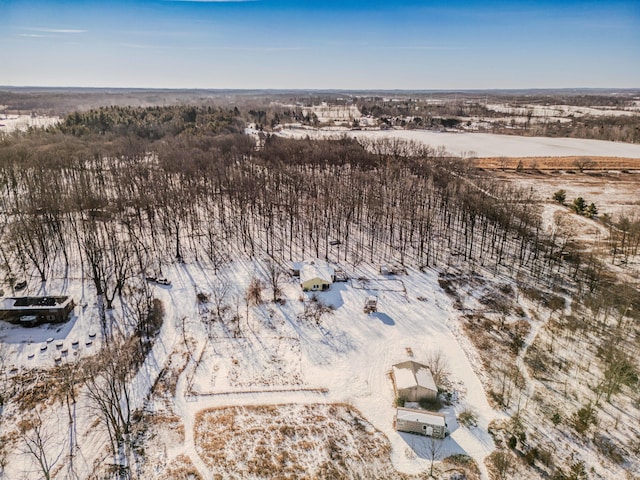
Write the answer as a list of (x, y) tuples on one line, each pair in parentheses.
[(281, 358), (9, 123), (561, 110), (486, 144)]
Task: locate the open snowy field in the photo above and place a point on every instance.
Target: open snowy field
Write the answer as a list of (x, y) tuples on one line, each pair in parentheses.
[(9, 123), (281, 358), (486, 144)]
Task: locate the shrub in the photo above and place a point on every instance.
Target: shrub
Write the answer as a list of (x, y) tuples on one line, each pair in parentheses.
[(254, 292), (431, 404), (202, 297), (468, 418), (584, 418), (531, 456), (560, 196)]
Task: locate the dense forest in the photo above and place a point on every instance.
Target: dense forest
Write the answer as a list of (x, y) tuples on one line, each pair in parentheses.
[(182, 182)]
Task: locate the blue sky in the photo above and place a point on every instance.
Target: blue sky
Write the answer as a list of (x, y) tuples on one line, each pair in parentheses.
[(349, 44)]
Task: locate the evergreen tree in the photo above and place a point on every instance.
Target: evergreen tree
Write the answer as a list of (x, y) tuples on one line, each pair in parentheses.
[(560, 196), (579, 205)]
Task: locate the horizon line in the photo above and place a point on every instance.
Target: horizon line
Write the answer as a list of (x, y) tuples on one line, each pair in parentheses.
[(327, 89)]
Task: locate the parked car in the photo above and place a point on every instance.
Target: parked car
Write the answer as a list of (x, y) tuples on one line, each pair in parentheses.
[(163, 281)]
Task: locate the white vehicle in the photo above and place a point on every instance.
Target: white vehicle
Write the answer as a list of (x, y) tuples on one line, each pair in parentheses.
[(163, 281)]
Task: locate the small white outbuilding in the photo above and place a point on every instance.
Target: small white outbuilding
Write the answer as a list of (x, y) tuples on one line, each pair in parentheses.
[(413, 381)]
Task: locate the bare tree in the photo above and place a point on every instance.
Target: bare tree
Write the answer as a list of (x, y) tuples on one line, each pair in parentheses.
[(434, 451), (619, 370), (315, 309), (439, 367), (219, 298), (4, 375), (274, 276), (254, 292), (584, 163), (68, 375), (38, 441), (501, 465), (107, 386)]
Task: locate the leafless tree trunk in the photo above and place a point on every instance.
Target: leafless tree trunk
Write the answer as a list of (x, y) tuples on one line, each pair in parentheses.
[(107, 385), (274, 276), (434, 452), (38, 441)]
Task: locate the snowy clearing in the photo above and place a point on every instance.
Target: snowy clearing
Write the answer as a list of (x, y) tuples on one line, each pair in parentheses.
[(485, 144), (10, 123), (279, 358)]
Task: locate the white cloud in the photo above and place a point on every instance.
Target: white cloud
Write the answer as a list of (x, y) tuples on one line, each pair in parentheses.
[(55, 30), (137, 45)]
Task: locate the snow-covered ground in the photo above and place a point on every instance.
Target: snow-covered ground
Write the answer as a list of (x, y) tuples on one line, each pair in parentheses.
[(9, 123), (281, 358), (562, 110), (486, 144)]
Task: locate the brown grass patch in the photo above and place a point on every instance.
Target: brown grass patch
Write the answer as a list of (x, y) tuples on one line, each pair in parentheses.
[(181, 468), (292, 442), (557, 163)]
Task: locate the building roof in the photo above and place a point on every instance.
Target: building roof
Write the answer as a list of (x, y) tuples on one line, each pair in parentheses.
[(422, 416), (316, 269), (33, 303), (413, 374)]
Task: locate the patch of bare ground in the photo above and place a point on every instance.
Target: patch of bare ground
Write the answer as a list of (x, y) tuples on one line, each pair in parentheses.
[(158, 432), (316, 441), (461, 467), (165, 386), (558, 163), (181, 468)]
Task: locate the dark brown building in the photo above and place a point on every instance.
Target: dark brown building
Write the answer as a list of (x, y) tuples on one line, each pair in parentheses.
[(32, 311)]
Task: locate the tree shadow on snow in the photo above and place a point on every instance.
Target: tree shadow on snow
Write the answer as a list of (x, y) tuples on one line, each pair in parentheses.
[(423, 447), (333, 296), (384, 318)]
